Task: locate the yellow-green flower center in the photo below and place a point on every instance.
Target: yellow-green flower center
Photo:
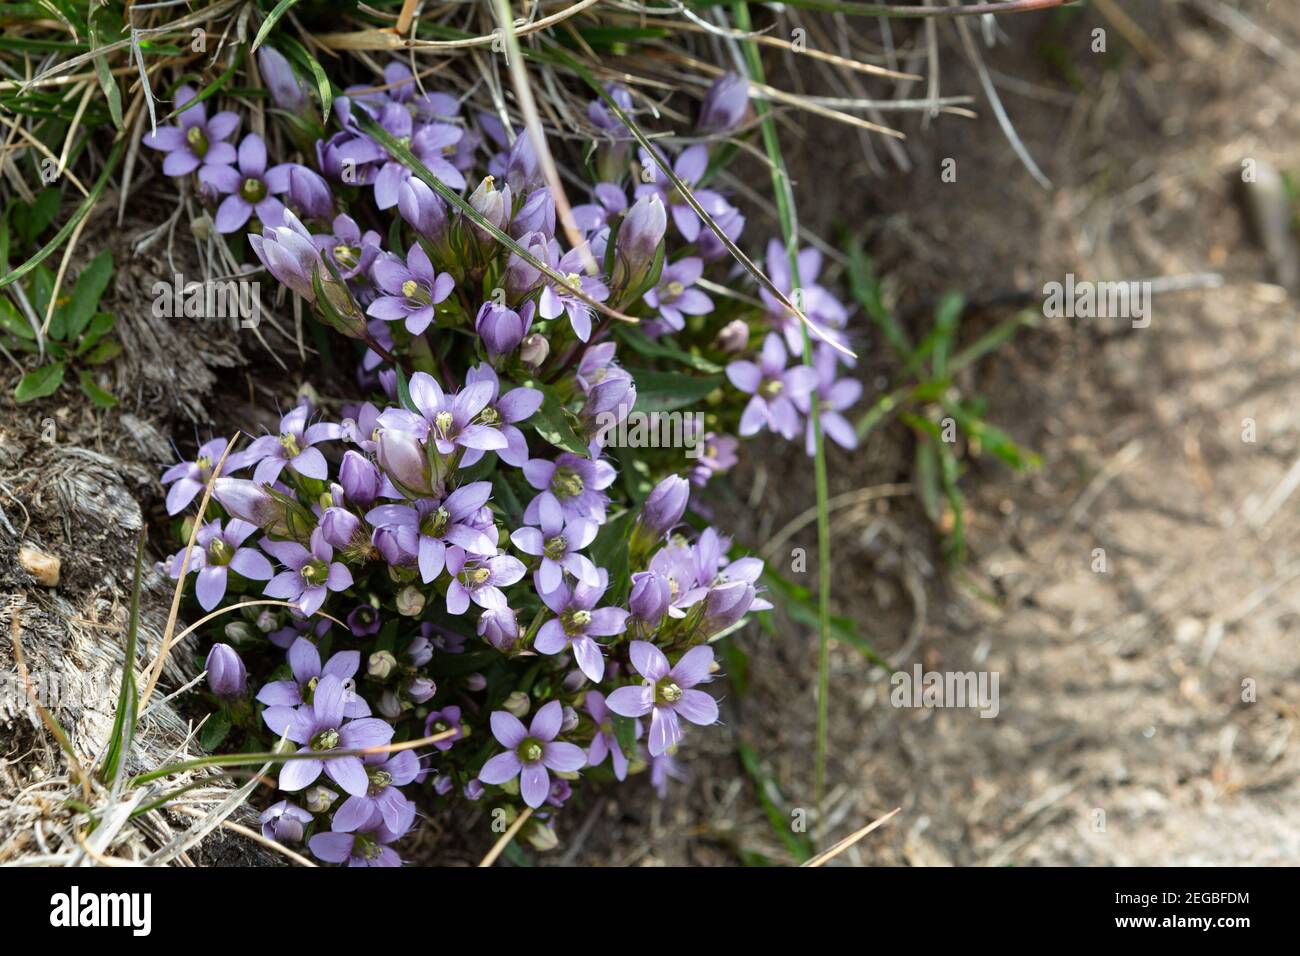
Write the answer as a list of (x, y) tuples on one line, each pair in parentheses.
[(315, 572), (555, 548), (530, 751), (435, 523), (668, 692), (197, 140), (253, 189), (567, 483), (325, 740)]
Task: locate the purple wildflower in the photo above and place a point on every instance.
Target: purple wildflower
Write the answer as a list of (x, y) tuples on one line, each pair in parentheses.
[(724, 105), (576, 483), (833, 396), (284, 822), (822, 309), (289, 253), (502, 412), (427, 527), (251, 188), (351, 251), (674, 297), (449, 421), (226, 675), (220, 551), (311, 574), (480, 579), (666, 693), (385, 774), (557, 542), (412, 289), (305, 663), (292, 448), (775, 389), (577, 621), (366, 846), (440, 721), (189, 478), (689, 167), (605, 742), (196, 140), (530, 752)]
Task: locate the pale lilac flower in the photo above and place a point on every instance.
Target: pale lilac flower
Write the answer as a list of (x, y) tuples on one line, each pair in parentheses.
[(717, 455), (289, 254), (367, 846), (530, 752), (689, 167), (677, 565), (557, 542), (611, 202), (576, 483), (220, 551), (428, 526), (663, 768), (412, 289), (833, 396), (385, 773), (449, 421), (305, 664), (664, 506), (443, 640), (602, 117), (284, 822), (605, 742), (320, 727), (502, 328), (822, 309), (774, 388), (251, 188), (311, 574), (499, 627), (578, 621), (189, 478), (440, 721), (480, 579), (503, 412), (674, 296), (287, 91), (666, 693), (196, 140), (724, 105), (351, 251), (293, 447), (650, 596)]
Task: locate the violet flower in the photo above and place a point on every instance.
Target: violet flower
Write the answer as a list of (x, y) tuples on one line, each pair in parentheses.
[(385, 774), (226, 675), (822, 309), (503, 412), (530, 752), (775, 389), (220, 551), (287, 91), (251, 188), (351, 251), (605, 742), (832, 396), (292, 448), (363, 621), (310, 575), (196, 140), (427, 526), (366, 846), (689, 167), (502, 328), (576, 484), (449, 421), (440, 721), (557, 542), (305, 664), (577, 621), (320, 727), (611, 202), (717, 456), (480, 579), (666, 693), (724, 105), (289, 253), (189, 478), (284, 822), (412, 289), (674, 297)]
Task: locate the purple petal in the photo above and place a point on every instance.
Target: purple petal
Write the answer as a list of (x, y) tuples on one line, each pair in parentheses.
[(502, 767), (507, 728)]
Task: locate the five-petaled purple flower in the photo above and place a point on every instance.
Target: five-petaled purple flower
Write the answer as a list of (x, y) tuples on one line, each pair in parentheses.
[(220, 551), (832, 396), (385, 773), (428, 527), (311, 574), (605, 742), (480, 579), (557, 542), (576, 484), (367, 846), (411, 289), (196, 141), (577, 621), (449, 421), (666, 693), (305, 663), (674, 296), (530, 752), (292, 447), (189, 478), (775, 389), (320, 727), (250, 188)]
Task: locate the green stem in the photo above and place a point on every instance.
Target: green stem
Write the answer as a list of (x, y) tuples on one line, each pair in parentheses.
[(789, 229)]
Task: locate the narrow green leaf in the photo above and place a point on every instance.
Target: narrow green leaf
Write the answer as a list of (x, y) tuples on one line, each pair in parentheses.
[(269, 23), (100, 396), (39, 383), (86, 294), (551, 422)]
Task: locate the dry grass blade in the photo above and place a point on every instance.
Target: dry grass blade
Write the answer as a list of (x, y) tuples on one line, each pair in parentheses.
[(828, 855), (359, 40), (499, 847)]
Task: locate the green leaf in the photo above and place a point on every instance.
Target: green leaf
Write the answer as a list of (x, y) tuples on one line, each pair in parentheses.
[(100, 396), (99, 326), (659, 348), (665, 391), (215, 731), (30, 220), (105, 75), (105, 351), (85, 295), (269, 23), (610, 551), (12, 321), (303, 56), (625, 734), (551, 422), (39, 383)]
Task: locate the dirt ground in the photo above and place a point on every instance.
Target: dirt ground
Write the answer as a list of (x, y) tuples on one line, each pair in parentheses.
[(1122, 737)]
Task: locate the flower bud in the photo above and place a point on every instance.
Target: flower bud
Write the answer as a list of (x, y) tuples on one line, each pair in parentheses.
[(319, 799), (381, 664), (338, 525), (419, 652), (540, 836), (639, 239), (423, 209), (388, 705), (651, 594), (534, 349), (226, 675), (403, 459), (537, 214), (238, 632), (267, 621), (725, 104), (500, 328), (733, 337), (475, 682), (492, 204), (499, 628), (570, 719), (474, 790), (665, 506), (725, 605), (420, 689), (443, 784), (309, 192), (518, 703), (410, 601), (286, 90), (360, 479), (249, 502)]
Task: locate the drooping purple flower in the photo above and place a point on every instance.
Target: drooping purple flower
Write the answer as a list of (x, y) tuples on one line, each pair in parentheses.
[(689, 167), (310, 575), (423, 209), (289, 253), (366, 846), (309, 193), (576, 483), (503, 412), (305, 663), (530, 752), (250, 188), (412, 289), (577, 621), (361, 481), (666, 693), (558, 542), (320, 727), (833, 395), (774, 388), (674, 296), (226, 674), (220, 550), (480, 579), (195, 141), (442, 639), (385, 773), (605, 742), (428, 526), (724, 105), (499, 627), (449, 421), (284, 822), (441, 721), (649, 598), (189, 478), (292, 447)]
